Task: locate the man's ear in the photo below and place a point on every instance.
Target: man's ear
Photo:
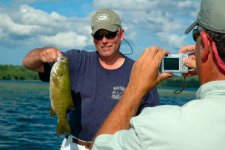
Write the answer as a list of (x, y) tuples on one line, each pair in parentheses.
[(122, 34), (205, 42)]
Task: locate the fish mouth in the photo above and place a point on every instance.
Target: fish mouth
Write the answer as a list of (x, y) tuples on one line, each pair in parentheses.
[(62, 57)]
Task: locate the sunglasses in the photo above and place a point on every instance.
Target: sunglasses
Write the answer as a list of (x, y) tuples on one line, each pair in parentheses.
[(196, 32), (108, 34)]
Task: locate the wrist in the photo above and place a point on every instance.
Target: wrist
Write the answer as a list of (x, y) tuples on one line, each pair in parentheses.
[(135, 94)]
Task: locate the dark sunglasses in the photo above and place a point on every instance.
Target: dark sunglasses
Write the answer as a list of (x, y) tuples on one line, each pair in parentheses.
[(108, 34), (196, 33)]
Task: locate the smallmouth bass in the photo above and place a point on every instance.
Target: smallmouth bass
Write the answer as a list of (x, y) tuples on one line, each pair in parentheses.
[(60, 94)]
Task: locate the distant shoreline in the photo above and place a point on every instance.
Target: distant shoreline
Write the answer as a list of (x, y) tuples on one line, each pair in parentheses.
[(11, 72)]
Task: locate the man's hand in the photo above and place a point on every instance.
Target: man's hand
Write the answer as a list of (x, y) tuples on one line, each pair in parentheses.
[(145, 75), (191, 60), (35, 58), (49, 54)]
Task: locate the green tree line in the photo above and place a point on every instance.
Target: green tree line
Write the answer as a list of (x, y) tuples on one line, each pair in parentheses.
[(11, 72), (179, 81)]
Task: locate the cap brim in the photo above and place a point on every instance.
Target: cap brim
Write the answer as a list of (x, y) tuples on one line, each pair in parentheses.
[(191, 27), (111, 28)]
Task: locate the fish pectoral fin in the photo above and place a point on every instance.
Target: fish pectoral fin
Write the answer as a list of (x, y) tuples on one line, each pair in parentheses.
[(63, 127), (52, 112)]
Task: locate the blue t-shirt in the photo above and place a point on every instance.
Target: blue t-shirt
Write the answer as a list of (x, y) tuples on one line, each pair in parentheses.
[(95, 91)]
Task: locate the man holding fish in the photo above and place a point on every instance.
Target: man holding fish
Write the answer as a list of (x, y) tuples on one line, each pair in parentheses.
[(97, 80)]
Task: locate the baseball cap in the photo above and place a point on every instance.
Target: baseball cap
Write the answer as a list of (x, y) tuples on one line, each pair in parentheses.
[(211, 16), (105, 19)]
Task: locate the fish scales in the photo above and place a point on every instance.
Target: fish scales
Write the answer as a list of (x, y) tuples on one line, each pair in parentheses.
[(60, 94)]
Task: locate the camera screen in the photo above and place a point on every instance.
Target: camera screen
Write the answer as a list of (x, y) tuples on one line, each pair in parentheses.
[(171, 63)]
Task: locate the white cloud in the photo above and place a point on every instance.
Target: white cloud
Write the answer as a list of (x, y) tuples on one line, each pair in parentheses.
[(173, 39), (67, 40), (36, 26), (184, 4), (155, 16), (2, 34), (164, 18), (30, 15), (127, 4), (12, 27), (161, 21)]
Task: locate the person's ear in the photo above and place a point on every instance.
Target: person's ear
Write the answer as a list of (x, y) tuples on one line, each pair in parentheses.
[(205, 42), (121, 34)]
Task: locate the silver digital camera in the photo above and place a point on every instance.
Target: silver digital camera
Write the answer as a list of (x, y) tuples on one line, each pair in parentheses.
[(172, 63)]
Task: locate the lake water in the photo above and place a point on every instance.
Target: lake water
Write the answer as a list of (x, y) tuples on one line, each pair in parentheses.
[(25, 121)]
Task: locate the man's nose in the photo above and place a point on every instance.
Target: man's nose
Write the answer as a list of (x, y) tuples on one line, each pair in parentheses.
[(104, 39)]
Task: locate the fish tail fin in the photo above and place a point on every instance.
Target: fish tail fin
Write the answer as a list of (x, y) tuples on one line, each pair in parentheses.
[(52, 112), (63, 127)]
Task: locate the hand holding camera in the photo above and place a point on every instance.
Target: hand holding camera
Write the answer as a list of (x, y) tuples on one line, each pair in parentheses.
[(191, 60), (173, 63), (180, 63)]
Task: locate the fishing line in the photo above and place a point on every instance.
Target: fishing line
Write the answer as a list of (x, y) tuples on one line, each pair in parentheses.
[(130, 47)]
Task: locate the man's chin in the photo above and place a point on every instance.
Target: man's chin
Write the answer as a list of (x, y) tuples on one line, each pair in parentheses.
[(106, 54)]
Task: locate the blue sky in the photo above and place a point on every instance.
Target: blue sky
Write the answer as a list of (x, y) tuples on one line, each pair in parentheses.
[(65, 24)]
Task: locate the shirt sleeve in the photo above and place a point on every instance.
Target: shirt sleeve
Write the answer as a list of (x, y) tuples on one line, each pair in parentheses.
[(154, 127), (121, 140), (45, 76)]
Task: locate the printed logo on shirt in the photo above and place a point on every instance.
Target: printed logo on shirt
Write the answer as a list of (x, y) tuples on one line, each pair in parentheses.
[(117, 92)]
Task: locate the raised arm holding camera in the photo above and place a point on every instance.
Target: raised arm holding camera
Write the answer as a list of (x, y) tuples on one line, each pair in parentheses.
[(197, 125)]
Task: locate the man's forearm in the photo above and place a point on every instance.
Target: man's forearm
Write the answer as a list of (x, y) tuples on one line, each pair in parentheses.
[(144, 76), (32, 61), (126, 108)]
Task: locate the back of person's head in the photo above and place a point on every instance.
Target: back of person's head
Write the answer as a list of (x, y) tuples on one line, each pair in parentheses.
[(211, 18), (105, 19)]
